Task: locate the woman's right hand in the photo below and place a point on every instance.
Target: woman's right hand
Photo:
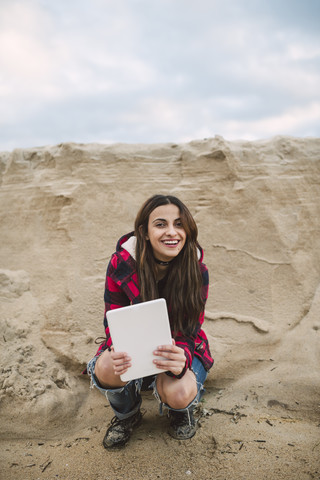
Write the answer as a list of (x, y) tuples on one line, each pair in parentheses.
[(121, 362)]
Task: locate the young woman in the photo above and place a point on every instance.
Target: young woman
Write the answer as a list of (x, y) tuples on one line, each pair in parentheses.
[(160, 259)]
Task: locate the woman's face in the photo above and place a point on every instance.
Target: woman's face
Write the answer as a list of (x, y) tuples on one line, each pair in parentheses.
[(165, 232)]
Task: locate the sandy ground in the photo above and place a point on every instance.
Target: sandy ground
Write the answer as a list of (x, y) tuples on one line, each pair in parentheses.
[(245, 433), (257, 206)]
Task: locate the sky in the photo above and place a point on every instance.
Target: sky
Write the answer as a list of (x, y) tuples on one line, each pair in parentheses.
[(154, 71)]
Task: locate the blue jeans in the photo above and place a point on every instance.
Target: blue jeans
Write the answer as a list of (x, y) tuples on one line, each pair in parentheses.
[(126, 401)]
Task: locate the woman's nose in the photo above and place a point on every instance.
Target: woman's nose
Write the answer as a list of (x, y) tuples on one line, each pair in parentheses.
[(171, 230)]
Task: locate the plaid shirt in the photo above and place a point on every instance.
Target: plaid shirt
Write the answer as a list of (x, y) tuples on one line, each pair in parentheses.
[(122, 289)]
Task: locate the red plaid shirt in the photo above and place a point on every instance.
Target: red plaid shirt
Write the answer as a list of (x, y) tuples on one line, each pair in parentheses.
[(122, 289)]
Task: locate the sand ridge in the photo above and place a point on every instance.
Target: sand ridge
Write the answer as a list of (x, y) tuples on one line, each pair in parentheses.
[(257, 206)]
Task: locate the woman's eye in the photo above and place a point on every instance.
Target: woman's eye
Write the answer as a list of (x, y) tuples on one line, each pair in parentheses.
[(159, 225)]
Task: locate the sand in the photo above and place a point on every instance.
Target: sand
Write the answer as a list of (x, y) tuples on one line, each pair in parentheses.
[(257, 206)]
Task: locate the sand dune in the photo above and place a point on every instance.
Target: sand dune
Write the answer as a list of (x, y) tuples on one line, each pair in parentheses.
[(257, 206)]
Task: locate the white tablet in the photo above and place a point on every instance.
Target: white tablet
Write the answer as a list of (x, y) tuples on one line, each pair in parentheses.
[(138, 330)]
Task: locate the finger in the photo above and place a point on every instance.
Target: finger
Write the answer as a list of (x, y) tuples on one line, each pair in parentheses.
[(118, 369), (169, 362), (122, 361), (170, 357), (122, 368), (173, 352), (169, 365), (169, 348), (119, 356), (176, 369)]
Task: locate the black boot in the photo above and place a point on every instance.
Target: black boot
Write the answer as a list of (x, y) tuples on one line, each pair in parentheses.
[(120, 431), (182, 424)]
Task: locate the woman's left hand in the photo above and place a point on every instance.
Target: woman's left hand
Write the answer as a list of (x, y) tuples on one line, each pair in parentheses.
[(173, 358)]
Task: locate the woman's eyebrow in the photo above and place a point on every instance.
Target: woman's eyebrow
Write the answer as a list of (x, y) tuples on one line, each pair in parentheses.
[(159, 220), (164, 220)]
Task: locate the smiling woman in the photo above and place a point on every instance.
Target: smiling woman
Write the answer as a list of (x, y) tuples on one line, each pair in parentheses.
[(167, 233), (160, 259)]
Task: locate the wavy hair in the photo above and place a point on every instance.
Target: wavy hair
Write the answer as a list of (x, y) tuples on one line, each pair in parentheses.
[(183, 285)]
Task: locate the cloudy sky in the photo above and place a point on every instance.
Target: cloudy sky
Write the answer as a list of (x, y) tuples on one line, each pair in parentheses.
[(157, 70)]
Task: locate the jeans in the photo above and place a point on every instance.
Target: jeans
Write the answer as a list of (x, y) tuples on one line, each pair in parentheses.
[(126, 401)]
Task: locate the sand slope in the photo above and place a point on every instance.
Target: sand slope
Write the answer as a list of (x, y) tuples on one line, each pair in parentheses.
[(257, 206)]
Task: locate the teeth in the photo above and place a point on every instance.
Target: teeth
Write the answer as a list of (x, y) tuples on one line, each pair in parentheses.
[(171, 242)]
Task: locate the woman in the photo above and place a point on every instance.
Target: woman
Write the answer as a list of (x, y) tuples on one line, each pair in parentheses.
[(160, 259)]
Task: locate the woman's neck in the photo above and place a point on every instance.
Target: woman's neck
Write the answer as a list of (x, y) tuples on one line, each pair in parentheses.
[(161, 272), (161, 262)]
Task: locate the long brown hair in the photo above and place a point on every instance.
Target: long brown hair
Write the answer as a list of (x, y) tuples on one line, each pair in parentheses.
[(182, 289)]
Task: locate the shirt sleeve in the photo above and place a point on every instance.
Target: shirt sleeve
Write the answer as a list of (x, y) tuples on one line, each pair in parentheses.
[(114, 296)]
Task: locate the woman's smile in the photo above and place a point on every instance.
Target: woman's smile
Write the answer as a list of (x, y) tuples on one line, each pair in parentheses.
[(170, 243)]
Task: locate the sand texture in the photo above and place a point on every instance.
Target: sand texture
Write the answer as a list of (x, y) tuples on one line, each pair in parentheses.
[(257, 206)]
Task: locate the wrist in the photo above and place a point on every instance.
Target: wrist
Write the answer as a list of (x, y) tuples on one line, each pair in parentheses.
[(174, 375)]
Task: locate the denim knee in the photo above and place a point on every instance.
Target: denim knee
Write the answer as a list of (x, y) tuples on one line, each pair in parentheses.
[(201, 375), (125, 401)]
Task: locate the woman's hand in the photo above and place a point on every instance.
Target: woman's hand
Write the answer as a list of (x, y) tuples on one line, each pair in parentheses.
[(172, 358), (121, 362)]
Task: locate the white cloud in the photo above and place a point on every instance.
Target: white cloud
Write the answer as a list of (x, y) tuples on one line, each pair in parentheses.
[(162, 71), (298, 52), (23, 53), (42, 63), (297, 119)]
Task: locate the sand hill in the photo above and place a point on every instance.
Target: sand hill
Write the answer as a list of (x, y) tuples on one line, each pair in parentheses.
[(257, 206)]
